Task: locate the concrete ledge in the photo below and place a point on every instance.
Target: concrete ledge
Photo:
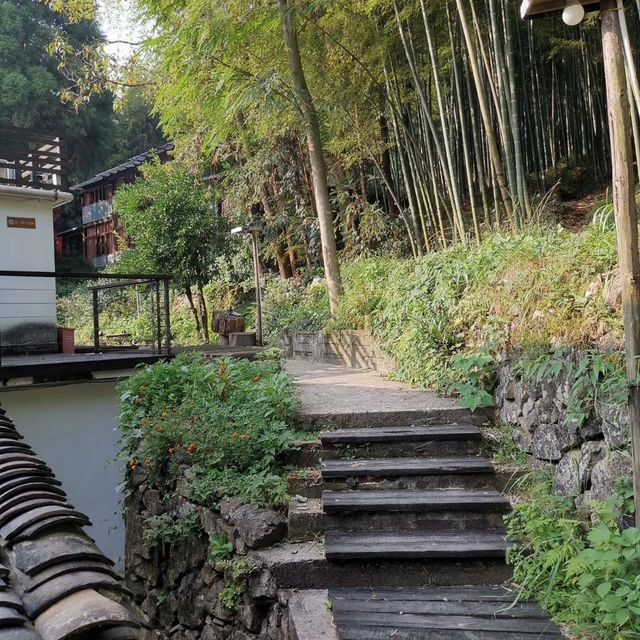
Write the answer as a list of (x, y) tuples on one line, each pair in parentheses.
[(354, 349), (310, 616)]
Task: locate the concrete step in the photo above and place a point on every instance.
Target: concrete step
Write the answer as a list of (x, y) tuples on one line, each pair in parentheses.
[(403, 545), (309, 615), (408, 473), (409, 510), (304, 566), (432, 440), (305, 482)]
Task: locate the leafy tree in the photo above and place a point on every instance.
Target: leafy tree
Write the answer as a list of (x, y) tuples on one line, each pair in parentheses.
[(170, 217), (137, 130), (30, 80)]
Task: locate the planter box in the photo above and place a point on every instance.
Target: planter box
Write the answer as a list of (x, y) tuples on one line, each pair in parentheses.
[(66, 340)]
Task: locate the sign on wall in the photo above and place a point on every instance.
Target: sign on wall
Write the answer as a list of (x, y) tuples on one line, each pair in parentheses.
[(21, 223)]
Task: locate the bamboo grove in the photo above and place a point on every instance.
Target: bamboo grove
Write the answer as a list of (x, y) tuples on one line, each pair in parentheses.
[(439, 120)]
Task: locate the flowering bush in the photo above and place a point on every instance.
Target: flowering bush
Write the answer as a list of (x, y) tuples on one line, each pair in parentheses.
[(228, 420)]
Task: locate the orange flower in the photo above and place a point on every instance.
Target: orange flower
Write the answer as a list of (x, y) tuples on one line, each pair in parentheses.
[(174, 410), (192, 448), (256, 378), (171, 450), (141, 388), (244, 437), (164, 414), (133, 463), (147, 461)]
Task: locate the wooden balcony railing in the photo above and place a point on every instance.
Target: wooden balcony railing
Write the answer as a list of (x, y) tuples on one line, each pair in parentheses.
[(31, 159)]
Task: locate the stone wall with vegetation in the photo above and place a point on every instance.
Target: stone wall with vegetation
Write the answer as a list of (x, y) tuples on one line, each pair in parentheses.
[(188, 567), (568, 414), (205, 444)]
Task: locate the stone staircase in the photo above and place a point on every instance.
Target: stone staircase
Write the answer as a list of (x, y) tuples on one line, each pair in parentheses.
[(403, 526)]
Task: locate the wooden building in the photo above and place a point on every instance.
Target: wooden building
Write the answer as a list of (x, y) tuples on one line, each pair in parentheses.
[(96, 238)]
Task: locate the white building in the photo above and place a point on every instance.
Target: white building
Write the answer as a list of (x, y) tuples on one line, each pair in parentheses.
[(30, 188)]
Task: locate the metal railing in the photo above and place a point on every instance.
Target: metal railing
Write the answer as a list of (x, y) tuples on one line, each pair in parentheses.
[(158, 286)]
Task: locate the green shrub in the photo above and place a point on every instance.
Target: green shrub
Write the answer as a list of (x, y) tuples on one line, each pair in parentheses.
[(530, 290), (229, 420), (583, 572)]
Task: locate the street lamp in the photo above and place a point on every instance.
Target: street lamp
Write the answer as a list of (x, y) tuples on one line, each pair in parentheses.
[(253, 232), (614, 40)]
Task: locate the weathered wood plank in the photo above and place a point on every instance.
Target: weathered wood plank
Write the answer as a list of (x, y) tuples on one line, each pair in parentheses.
[(405, 466), (450, 544), (541, 628), (402, 434), (414, 500), (358, 632)]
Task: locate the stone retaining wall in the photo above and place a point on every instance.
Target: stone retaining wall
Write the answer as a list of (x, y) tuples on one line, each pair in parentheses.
[(354, 349), (179, 586), (585, 459)]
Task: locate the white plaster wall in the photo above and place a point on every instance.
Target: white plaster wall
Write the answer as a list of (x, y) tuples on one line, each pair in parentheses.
[(27, 300), (73, 428)]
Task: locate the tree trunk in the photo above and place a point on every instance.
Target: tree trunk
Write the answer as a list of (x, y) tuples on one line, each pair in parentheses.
[(626, 218), (316, 158), (204, 313), (196, 317)]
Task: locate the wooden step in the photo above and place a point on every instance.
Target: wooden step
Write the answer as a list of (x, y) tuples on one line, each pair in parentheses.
[(339, 502), (409, 510), (428, 433), (413, 441), (394, 467), (440, 613), (414, 545)]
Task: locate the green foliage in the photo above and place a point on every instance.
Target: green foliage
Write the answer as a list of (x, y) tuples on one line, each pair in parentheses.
[(515, 291), (237, 573), (164, 529), (287, 305), (477, 372), (219, 548), (591, 379), (585, 574), (169, 216), (229, 420), (30, 78)]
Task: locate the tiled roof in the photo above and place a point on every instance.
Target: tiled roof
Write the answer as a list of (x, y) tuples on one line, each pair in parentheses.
[(55, 584), (131, 163)]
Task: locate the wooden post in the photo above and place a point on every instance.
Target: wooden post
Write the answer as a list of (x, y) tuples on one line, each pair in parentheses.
[(626, 217)]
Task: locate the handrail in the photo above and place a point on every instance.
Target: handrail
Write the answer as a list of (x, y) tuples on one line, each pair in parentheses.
[(127, 280)]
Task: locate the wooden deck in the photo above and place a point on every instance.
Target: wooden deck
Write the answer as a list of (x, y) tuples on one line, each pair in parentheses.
[(62, 364)]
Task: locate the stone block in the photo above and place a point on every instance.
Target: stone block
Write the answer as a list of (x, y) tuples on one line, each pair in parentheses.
[(545, 443), (259, 528), (607, 471), (250, 616)]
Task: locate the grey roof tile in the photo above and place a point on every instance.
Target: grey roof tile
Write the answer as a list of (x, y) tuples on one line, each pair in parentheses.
[(57, 584)]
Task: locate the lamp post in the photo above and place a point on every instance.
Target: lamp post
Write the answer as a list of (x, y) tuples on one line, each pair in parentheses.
[(623, 188), (253, 232)]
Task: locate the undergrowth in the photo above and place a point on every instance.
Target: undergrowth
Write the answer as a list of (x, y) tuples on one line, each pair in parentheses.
[(228, 421), (541, 288), (584, 572)]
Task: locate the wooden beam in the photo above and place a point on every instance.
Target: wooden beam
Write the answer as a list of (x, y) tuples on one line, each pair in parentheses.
[(626, 217)]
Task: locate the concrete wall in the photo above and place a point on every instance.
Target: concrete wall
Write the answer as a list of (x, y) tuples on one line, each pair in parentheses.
[(27, 305), (73, 429), (355, 349)]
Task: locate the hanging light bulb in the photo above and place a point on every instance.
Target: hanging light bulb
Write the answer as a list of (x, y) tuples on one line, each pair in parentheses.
[(573, 13)]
